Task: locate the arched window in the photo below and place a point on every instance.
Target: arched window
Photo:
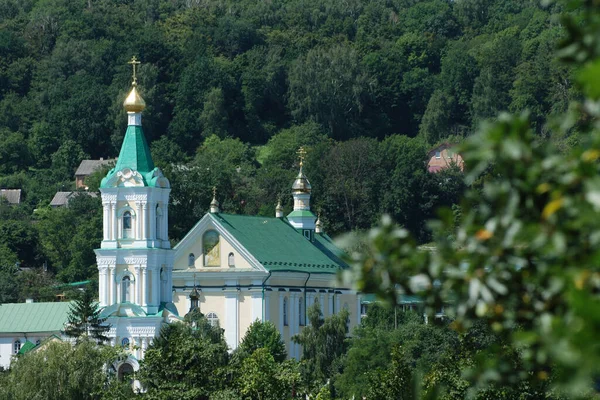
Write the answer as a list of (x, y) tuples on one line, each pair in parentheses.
[(16, 346), (316, 300), (285, 311), (210, 249), (212, 319), (301, 313), (125, 342), (125, 289), (191, 260), (231, 260), (126, 225)]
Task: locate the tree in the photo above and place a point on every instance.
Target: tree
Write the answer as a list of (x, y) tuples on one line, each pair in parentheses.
[(522, 261), (84, 321), (185, 362), (62, 371), (263, 378), (263, 335), (323, 342)]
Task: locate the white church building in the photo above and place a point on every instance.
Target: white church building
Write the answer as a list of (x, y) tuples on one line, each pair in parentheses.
[(235, 268)]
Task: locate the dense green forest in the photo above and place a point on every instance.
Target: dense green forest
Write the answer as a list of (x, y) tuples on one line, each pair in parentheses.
[(235, 87)]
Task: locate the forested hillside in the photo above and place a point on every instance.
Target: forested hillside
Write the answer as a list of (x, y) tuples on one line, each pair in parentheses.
[(235, 87)]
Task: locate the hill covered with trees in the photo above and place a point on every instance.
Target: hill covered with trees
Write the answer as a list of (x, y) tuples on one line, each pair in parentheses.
[(235, 87)]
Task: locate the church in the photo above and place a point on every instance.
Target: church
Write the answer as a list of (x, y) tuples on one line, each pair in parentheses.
[(235, 268)]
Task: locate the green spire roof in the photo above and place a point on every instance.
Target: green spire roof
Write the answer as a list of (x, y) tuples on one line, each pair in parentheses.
[(135, 153)]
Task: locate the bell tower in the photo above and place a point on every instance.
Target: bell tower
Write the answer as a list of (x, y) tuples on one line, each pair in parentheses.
[(135, 260)]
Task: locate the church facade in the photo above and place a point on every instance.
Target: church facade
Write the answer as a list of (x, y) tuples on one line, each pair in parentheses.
[(235, 268)]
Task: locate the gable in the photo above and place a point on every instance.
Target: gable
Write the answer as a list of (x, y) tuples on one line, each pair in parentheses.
[(218, 257)]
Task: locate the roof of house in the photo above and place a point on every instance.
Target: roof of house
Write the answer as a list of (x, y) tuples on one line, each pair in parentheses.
[(33, 317), (13, 196), (62, 198), (87, 167), (278, 246)]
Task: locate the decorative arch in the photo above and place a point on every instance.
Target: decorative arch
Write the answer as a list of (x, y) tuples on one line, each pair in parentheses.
[(231, 260), (191, 260), (126, 286), (211, 248)]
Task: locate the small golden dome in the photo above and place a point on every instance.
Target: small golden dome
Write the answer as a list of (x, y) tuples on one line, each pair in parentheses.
[(134, 102), (301, 184)]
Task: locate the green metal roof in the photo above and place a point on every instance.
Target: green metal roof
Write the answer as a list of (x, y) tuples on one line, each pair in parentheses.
[(33, 317), (135, 155), (26, 347), (301, 213), (278, 246)]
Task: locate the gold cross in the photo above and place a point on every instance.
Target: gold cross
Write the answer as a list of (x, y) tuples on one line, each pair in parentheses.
[(301, 154), (134, 62), (214, 192)]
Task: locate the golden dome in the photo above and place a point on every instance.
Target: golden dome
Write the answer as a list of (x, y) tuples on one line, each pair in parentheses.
[(134, 102), (301, 184)]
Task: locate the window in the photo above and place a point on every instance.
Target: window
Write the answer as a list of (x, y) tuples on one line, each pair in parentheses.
[(438, 154), (316, 300), (191, 260), (302, 316), (16, 346), (231, 260), (285, 311), (125, 342), (307, 234), (126, 225), (212, 319), (210, 249), (125, 289)]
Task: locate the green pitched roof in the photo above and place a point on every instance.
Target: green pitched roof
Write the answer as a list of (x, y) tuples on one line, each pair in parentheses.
[(278, 246), (33, 317), (26, 347)]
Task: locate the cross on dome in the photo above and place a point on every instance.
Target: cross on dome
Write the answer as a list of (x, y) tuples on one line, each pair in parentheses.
[(134, 63)]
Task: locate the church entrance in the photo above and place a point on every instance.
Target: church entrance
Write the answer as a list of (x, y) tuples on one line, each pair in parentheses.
[(125, 372)]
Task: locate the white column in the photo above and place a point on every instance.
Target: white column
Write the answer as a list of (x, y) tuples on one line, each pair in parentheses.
[(330, 302), (156, 285), (111, 285), (114, 221), (337, 303), (144, 286), (152, 233), (101, 285), (106, 221), (281, 297), (138, 221), (165, 222), (358, 299), (257, 306), (231, 318), (144, 220), (138, 284), (294, 321), (267, 305), (145, 341), (322, 303)]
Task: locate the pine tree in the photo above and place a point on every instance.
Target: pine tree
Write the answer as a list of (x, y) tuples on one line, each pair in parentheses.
[(84, 319)]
